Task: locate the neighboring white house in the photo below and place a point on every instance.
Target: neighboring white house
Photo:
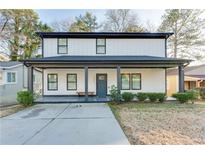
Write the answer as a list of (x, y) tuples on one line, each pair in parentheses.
[(13, 78), (90, 63)]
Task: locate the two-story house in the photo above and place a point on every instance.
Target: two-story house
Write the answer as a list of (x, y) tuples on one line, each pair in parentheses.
[(75, 64)]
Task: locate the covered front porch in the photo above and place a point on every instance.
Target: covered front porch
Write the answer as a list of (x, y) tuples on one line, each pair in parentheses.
[(118, 64)]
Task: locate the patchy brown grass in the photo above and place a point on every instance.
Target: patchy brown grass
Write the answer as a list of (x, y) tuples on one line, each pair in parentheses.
[(5, 111), (148, 123)]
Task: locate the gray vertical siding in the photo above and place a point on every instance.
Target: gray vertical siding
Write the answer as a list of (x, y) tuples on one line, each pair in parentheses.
[(8, 92)]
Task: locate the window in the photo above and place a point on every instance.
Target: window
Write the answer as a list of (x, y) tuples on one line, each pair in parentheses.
[(62, 46), (52, 82), (136, 81), (71, 81), (11, 77), (125, 81), (101, 46), (131, 81)]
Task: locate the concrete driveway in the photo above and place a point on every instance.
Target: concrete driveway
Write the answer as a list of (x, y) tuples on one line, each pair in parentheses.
[(67, 124)]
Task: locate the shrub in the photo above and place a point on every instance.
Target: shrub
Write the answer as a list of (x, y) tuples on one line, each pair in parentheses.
[(201, 92), (25, 98), (182, 97), (141, 96), (152, 97), (115, 96), (193, 95), (127, 96), (161, 97)]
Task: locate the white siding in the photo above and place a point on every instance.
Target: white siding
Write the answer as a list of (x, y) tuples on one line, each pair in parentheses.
[(62, 81), (150, 47), (50, 47), (152, 80)]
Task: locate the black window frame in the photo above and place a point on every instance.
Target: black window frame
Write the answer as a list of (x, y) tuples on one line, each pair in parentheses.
[(130, 81), (52, 82), (58, 45), (72, 82), (121, 80), (131, 76), (100, 46)]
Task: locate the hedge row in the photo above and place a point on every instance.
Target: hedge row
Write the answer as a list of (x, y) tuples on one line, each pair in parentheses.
[(184, 97)]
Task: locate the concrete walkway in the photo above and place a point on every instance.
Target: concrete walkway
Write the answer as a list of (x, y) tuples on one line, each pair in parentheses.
[(62, 124)]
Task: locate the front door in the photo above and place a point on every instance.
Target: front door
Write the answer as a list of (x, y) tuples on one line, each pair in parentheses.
[(101, 85)]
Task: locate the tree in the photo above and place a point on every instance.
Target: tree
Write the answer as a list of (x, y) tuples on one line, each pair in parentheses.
[(32, 41), (61, 25), (150, 27), (18, 32), (122, 20), (86, 23), (188, 39)]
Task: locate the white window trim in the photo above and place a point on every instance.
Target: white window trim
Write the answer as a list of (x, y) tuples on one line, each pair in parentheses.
[(6, 81)]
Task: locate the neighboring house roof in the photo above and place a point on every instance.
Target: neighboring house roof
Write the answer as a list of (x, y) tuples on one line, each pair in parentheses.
[(9, 64), (102, 34), (197, 71), (4, 57), (107, 60)]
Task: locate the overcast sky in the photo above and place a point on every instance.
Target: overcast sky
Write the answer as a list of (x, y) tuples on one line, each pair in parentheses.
[(51, 15)]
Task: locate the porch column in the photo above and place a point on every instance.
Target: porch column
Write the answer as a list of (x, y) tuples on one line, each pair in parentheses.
[(118, 79), (30, 78), (86, 83), (181, 78)]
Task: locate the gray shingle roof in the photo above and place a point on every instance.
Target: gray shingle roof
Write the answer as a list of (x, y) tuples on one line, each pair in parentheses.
[(105, 59), (9, 63)]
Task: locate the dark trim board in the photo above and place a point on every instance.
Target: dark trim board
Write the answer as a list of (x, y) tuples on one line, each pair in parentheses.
[(103, 34)]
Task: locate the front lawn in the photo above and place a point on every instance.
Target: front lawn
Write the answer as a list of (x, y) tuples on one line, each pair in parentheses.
[(160, 123)]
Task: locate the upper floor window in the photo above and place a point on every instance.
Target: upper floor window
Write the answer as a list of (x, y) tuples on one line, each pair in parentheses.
[(62, 46), (11, 77), (101, 46)]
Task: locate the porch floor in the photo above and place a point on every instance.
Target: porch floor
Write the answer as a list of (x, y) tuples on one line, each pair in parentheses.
[(71, 99)]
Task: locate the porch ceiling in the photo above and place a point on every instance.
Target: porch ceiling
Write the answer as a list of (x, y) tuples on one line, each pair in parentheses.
[(106, 62)]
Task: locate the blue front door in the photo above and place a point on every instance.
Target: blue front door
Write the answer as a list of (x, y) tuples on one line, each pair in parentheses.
[(101, 87)]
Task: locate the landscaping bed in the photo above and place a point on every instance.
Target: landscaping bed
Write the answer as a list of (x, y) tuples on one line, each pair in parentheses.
[(8, 110), (161, 123)]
